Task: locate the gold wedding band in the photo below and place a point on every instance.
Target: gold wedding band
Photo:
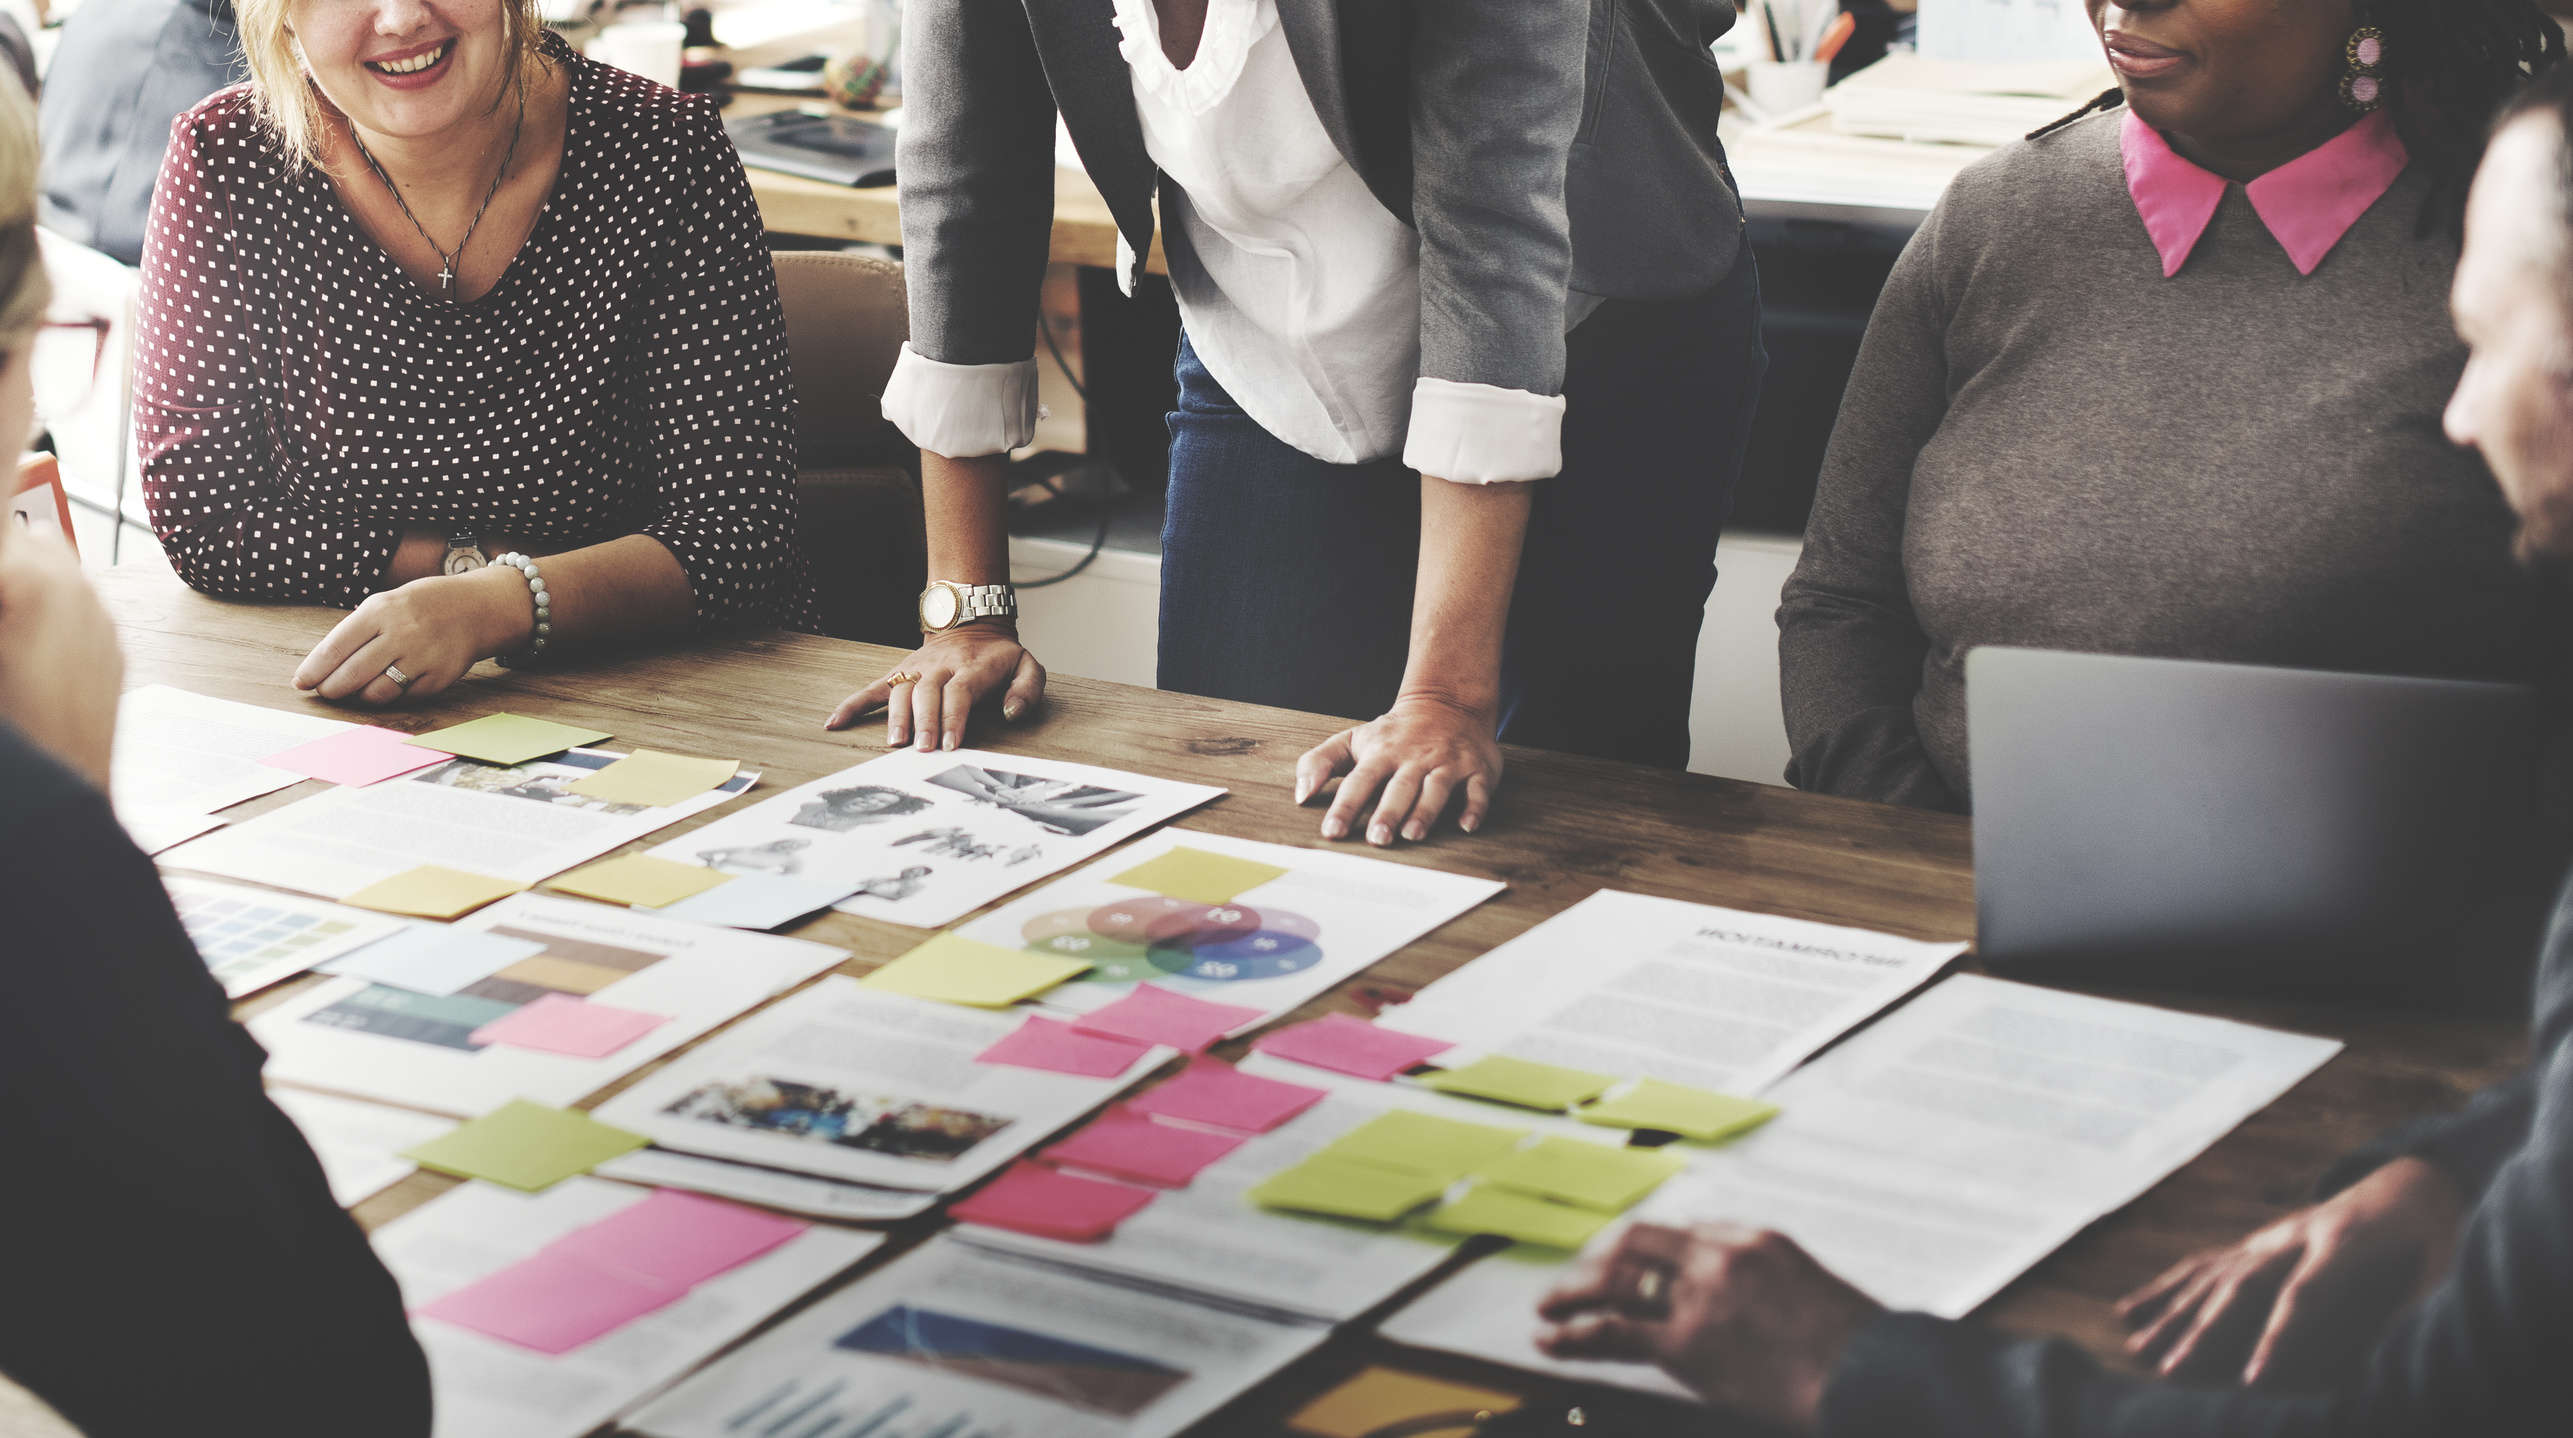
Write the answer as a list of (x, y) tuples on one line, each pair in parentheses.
[(400, 679), (900, 677)]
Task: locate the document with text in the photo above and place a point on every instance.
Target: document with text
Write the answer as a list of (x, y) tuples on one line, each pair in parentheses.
[(183, 752)]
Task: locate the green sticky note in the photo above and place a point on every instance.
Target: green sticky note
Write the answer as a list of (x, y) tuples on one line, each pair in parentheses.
[(1421, 1143), (507, 738), (1486, 1209), (1198, 876), (638, 879), (1590, 1174), (960, 971), (1348, 1189), (525, 1145), (432, 892), (654, 779), (1529, 1085), (1697, 1113)]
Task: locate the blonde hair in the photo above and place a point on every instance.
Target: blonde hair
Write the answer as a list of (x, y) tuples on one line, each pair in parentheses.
[(24, 290), (291, 108)]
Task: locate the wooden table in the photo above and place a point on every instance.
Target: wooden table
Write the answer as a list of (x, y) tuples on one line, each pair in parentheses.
[(1563, 828)]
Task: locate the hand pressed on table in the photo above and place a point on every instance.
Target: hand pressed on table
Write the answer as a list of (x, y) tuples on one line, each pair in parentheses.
[(949, 674), (434, 629), (1423, 754)]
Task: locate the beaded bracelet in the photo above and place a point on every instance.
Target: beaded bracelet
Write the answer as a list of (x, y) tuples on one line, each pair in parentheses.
[(544, 611)]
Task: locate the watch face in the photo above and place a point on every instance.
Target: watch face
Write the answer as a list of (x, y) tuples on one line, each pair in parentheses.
[(938, 607), (464, 561)]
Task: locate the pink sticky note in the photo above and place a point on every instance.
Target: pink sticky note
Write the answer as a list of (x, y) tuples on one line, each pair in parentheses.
[(561, 1024), (361, 755), (1350, 1046), (1031, 1198), (549, 1303), (1155, 1015), (1124, 1144), (1043, 1043), (676, 1239), (1214, 1092)]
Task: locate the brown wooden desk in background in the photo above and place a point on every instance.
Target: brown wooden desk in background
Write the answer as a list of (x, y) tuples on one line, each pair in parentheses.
[(1563, 828)]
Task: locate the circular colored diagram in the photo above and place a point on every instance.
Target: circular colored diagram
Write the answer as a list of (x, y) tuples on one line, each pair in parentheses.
[(1155, 935)]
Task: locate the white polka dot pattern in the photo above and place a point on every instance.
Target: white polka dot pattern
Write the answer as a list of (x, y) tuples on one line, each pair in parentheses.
[(298, 399)]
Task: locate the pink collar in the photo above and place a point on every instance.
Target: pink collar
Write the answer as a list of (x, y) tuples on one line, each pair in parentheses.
[(2308, 203)]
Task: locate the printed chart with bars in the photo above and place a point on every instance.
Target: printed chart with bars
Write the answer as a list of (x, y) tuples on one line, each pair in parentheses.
[(575, 968)]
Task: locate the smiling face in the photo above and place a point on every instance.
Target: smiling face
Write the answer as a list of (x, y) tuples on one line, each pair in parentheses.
[(409, 68), (2513, 303), (2226, 70)]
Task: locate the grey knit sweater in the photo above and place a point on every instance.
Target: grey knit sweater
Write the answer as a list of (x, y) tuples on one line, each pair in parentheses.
[(2047, 443)]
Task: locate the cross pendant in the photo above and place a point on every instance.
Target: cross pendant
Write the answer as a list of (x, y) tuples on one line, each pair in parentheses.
[(447, 280)]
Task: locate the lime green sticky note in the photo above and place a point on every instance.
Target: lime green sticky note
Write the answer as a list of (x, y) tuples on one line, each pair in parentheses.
[(638, 879), (432, 892), (960, 971), (1590, 1174), (525, 1145), (507, 738), (1421, 1143), (1697, 1113), (1529, 1085), (654, 779), (1486, 1209), (1348, 1189), (1198, 876)]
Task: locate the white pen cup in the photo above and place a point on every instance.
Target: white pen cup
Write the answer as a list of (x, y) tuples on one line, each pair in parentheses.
[(1783, 87), (649, 48)]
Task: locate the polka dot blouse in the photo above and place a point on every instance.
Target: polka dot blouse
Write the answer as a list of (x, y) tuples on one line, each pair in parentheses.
[(298, 399)]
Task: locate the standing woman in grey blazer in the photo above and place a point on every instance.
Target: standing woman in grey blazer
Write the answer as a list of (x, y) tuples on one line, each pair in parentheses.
[(1428, 254)]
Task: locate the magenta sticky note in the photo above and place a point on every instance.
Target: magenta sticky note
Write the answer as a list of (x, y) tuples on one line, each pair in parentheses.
[(549, 1303), (1123, 1144), (1211, 1091), (1052, 1044), (561, 1024), (1155, 1015), (360, 755), (1350, 1046), (676, 1239), (1032, 1198)]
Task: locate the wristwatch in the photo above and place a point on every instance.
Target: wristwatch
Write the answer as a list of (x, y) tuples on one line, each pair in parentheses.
[(945, 604), (464, 553)]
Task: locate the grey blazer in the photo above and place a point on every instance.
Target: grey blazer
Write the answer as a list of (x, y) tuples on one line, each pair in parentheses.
[(1538, 146)]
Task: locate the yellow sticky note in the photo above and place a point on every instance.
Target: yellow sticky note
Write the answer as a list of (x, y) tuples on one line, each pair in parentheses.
[(1198, 876), (1348, 1189), (961, 971), (1382, 1397), (432, 892), (1530, 1085), (1486, 1209), (1592, 1175), (1697, 1113), (525, 1145), (654, 779), (638, 879), (1421, 1143), (507, 738)]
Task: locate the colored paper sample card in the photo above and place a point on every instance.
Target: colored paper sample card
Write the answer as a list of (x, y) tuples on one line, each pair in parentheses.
[(1053, 1045), (1696, 1113), (1443, 1148), (654, 779), (1350, 1046), (961, 971), (638, 879), (525, 1145), (1379, 1398), (1588, 1174), (433, 959), (360, 754), (1524, 1217), (1529, 1085), (756, 901), (1031, 1198), (676, 1239), (1127, 1145), (1348, 1188), (507, 738), (1198, 876), (561, 1024), (1211, 1091), (1153, 1015), (433, 892), (550, 1303)]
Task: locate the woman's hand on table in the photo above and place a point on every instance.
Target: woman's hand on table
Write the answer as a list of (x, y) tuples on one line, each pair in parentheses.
[(2316, 1286), (1743, 1317), (947, 677), (432, 629), (60, 668), (1421, 755)]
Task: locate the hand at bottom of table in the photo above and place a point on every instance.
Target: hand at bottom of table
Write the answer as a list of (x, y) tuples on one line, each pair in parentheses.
[(1421, 755)]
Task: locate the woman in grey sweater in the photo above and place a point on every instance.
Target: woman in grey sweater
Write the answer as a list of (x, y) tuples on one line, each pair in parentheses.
[(2166, 381)]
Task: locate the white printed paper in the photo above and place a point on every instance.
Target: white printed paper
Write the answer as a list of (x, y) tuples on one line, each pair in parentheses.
[(185, 752), (772, 1188), (360, 1144), (251, 938), (925, 839), (154, 827), (433, 959)]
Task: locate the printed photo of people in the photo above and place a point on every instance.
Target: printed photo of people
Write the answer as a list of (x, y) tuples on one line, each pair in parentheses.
[(840, 810), (1065, 806)]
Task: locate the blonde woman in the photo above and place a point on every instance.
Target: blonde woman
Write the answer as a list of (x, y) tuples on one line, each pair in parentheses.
[(432, 291), (156, 1203)]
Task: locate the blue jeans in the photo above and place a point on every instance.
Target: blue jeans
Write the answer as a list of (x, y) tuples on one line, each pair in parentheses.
[(1288, 581)]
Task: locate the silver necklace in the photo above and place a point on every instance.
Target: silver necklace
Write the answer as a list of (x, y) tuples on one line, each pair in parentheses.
[(447, 259)]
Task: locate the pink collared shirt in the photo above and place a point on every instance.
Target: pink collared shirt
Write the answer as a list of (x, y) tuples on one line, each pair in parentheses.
[(2307, 203)]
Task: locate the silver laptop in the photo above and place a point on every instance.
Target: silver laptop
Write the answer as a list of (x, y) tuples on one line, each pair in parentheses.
[(2239, 827)]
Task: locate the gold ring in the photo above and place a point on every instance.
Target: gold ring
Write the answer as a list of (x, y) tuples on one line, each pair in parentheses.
[(400, 679), (900, 677), (1648, 1285)]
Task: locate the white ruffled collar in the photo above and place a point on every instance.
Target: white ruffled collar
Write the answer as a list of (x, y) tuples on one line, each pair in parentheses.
[(1232, 28)]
